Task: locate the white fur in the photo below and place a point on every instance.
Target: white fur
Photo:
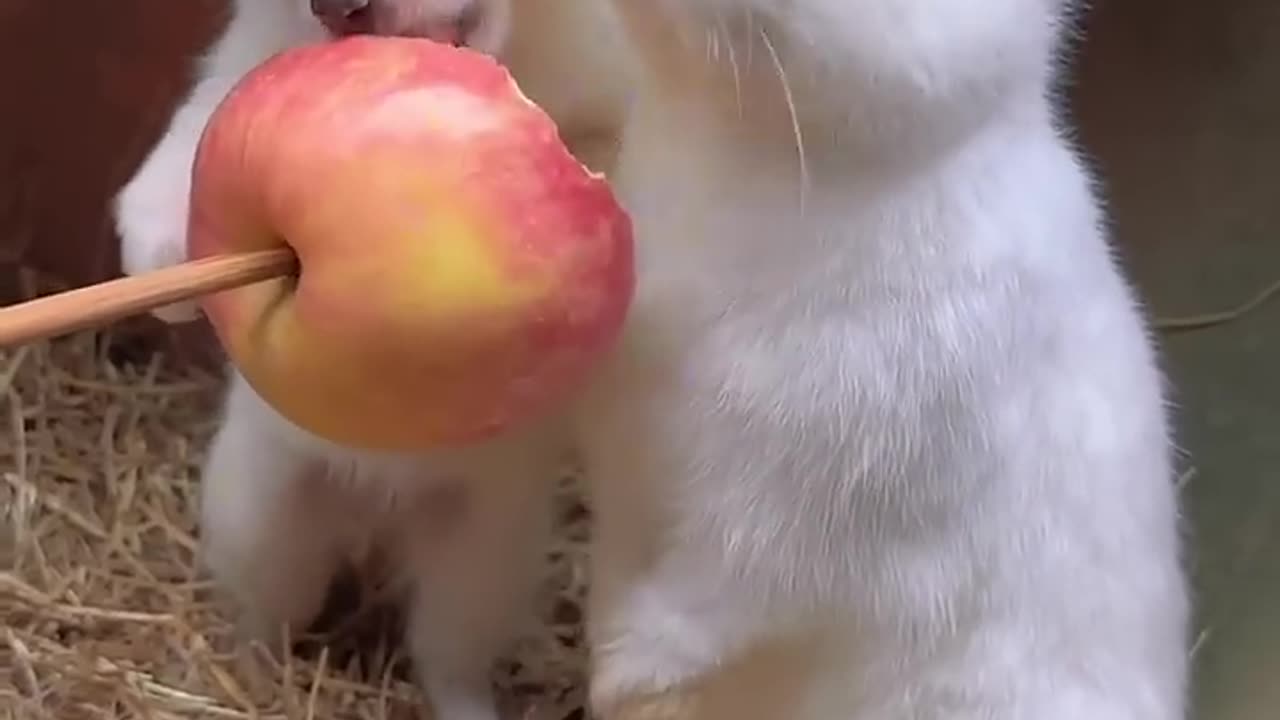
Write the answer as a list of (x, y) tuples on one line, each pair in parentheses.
[(462, 531), (886, 438), (282, 509)]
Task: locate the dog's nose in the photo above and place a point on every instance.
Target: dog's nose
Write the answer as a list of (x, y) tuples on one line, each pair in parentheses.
[(343, 17)]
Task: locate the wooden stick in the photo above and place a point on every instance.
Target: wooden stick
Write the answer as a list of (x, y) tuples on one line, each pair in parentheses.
[(104, 303)]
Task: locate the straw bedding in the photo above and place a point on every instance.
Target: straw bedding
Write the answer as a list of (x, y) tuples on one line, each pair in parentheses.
[(106, 614)]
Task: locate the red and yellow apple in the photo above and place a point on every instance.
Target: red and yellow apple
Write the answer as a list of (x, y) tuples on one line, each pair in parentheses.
[(460, 270)]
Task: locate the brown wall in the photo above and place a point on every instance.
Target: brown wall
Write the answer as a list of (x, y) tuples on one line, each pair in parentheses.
[(88, 85)]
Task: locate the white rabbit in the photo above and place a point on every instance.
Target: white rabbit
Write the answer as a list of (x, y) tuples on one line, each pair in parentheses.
[(887, 437), (282, 510)]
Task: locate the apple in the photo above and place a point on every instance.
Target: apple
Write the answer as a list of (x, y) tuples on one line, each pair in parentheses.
[(460, 271)]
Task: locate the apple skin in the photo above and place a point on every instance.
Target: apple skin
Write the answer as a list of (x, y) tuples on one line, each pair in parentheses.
[(461, 272)]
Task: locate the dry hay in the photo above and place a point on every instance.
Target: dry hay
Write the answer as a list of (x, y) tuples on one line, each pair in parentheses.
[(106, 614)]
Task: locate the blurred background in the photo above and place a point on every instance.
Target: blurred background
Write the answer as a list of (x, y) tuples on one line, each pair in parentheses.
[(1177, 104)]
